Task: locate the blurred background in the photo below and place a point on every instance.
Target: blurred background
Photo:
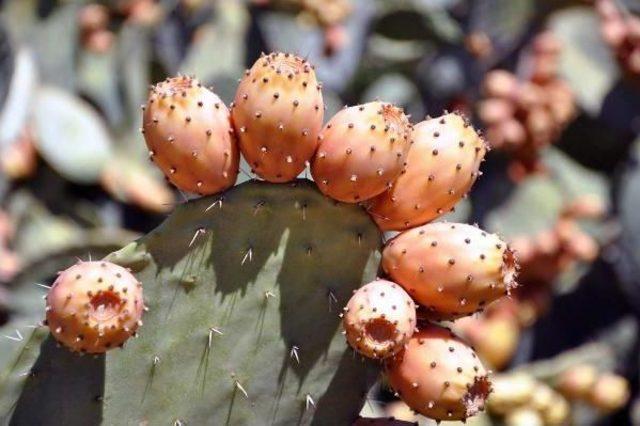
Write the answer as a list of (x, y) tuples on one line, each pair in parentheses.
[(554, 84)]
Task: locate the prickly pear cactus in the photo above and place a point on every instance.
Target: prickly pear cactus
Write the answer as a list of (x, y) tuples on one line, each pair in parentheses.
[(243, 292)]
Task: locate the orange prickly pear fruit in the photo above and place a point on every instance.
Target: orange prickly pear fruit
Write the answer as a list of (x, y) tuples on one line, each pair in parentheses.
[(452, 269), (277, 114), (379, 319), (439, 376), (94, 306), (442, 165), (189, 135), (362, 151)]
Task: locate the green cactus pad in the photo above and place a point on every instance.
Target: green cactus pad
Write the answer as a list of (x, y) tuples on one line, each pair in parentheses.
[(244, 292)]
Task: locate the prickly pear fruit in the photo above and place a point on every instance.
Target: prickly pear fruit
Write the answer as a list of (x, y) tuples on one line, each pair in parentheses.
[(379, 319), (189, 135), (558, 413), (452, 269), (442, 165), (552, 407), (576, 381), (439, 376), (523, 416), (609, 393), (494, 337), (277, 114), (94, 306), (362, 151), (510, 391)]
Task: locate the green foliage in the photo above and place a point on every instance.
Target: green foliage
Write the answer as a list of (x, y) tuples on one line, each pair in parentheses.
[(70, 135)]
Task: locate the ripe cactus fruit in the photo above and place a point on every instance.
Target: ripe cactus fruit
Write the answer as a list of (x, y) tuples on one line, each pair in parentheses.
[(379, 319), (442, 165), (524, 416), (609, 393), (362, 151), (94, 306), (277, 114), (510, 391), (189, 135), (577, 381), (451, 269), (439, 376)]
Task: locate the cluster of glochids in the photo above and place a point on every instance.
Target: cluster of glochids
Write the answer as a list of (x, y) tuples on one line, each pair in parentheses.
[(621, 31), (404, 175), (525, 113)]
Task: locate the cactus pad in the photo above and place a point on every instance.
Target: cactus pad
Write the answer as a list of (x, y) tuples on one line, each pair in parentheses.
[(243, 292)]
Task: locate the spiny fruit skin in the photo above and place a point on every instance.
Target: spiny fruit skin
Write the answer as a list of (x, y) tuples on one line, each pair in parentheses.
[(439, 376), (189, 135), (277, 114), (442, 165), (452, 269), (362, 151), (379, 319), (94, 306)]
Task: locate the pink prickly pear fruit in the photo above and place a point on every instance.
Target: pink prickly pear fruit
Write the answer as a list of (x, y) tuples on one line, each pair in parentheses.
[(610, 392), (94, 306), (362, 151), (577, 381), (379, 319), (439, 375), (452, 269), (189, 135), (442, 165), (277, 114)]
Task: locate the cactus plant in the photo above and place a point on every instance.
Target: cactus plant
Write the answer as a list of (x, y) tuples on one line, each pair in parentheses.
[(70, 135), (232, 283)]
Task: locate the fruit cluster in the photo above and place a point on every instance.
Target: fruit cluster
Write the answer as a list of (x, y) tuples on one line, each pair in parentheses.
[(450, 270), (405, 176), (520, 399), (605, 391), (621, 31), (523, 114)]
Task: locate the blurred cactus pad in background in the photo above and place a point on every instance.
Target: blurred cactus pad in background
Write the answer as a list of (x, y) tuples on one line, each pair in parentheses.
[(338, 212)]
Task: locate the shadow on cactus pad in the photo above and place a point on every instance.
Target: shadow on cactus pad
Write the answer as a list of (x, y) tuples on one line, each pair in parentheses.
[(244, 292)]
